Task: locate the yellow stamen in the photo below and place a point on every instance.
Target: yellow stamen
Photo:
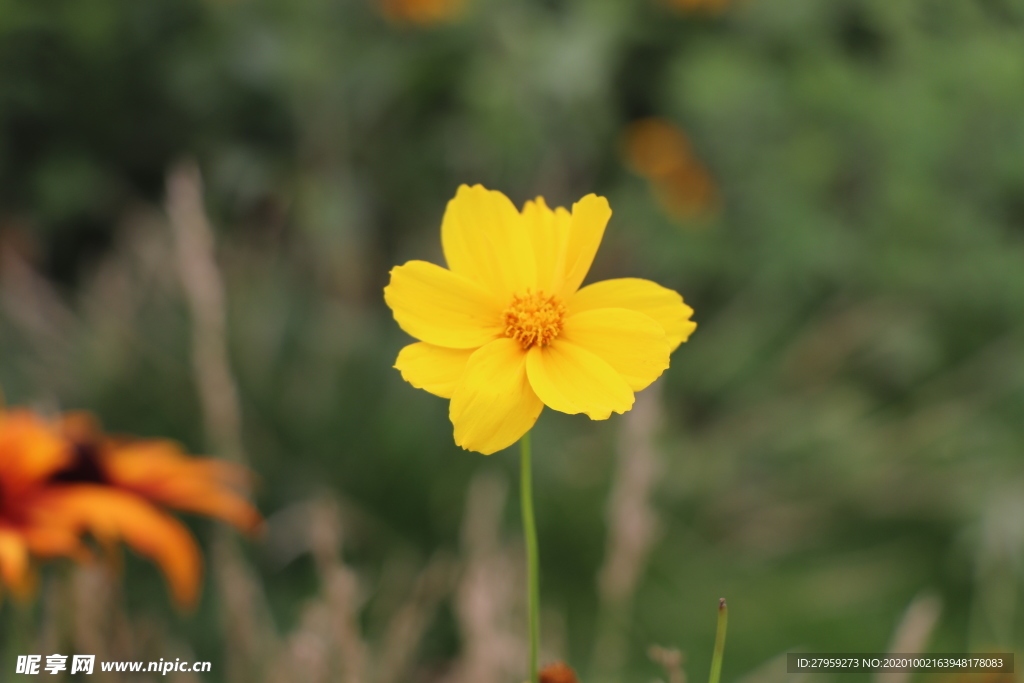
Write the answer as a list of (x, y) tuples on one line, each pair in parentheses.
[(534, 318)]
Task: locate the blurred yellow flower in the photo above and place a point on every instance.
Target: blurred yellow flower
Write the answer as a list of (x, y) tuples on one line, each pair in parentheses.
[(658, 150), (421, 12), (506, 329)]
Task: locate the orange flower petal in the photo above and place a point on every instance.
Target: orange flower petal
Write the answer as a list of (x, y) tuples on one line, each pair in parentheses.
[(13, 559), (30, 450), (111, 515), (160, 471)]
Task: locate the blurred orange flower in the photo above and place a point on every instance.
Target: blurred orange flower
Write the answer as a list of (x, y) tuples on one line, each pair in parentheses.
[(559, 672), (658, 150), (422, 12), (159, 471), (61, 480), (111, 488), (708, 6), (30, 451)]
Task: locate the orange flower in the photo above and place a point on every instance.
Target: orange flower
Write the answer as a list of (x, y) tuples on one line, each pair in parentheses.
[(60, 481), (30, 451), (159, 471), (657, 150), (111, 515), (559, 672), (111, 489), (707, 6), (422, 12)]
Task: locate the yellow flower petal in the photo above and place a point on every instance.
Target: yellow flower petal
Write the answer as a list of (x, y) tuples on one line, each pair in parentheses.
[(573, 380), (433, 368), (549, 233), (494, 405), (589, 217), (440, 307), (484, 240), (664, 305), (632, 343)]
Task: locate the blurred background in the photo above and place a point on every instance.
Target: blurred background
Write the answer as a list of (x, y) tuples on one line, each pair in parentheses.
[(200, 201)]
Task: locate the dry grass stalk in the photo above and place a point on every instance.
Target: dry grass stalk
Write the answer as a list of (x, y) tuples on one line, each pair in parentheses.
[(341, 591), (912, 633), (406, 629), (252, 638), (307, 656), (204, 291), (671, 660), (33, 307), (97, 621), (489, 591), (32, 303), (632, 528)]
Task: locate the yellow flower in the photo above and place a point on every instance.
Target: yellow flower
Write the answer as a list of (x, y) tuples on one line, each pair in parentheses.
[(506, 328)]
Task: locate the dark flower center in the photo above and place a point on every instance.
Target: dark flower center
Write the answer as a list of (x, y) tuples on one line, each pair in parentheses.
[(85, 467)]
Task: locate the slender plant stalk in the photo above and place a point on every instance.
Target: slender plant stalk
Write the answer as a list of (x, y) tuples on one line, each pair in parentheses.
[(716, 661), (532, 558)]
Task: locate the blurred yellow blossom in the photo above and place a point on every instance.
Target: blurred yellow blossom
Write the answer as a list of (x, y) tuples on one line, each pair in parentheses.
[(506, 329)]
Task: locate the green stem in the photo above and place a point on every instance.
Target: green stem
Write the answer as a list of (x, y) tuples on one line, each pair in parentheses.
[(716, 661), (532, 555)]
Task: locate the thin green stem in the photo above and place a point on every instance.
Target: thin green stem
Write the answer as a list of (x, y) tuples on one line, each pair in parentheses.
[(532, 555), (716, 661)]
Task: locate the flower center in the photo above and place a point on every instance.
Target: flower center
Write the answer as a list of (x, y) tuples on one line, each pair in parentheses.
[(534, 318)]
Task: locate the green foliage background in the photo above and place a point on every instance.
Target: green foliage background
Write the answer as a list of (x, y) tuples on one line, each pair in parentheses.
[(843, 431)]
